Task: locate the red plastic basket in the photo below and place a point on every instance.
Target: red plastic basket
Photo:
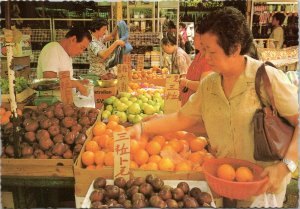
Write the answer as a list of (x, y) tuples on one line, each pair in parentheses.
[(232, 189)]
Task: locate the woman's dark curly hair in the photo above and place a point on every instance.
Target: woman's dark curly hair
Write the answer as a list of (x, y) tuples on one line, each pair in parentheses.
[(230, 26), (98, 23)]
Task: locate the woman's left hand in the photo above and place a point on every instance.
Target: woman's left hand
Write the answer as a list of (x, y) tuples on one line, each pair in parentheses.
[(276, 174)]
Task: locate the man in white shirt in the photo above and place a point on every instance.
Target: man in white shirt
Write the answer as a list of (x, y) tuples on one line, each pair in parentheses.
[(57, 56), (278, 33)]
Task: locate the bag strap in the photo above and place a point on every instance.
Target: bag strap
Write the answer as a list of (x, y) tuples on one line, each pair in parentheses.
[(262, 74)]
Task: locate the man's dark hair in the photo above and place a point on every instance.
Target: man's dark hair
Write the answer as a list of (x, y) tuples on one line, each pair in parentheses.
[(98, 23), (171, 25), (183, 25), (169, 38), (80, 33), (279, 16), (230, 27)]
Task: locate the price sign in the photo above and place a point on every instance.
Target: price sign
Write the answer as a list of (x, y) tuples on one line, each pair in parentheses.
[(65, 87), (122, 78), (121, 155), (140, 62), (172, 102), (127, 61)]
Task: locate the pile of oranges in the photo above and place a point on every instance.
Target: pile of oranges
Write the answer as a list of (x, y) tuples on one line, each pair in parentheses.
[(241, 174), (178, 151)]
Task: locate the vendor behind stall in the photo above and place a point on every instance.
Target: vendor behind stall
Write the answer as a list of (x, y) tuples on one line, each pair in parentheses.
[(57, 56), (97, 50), (278, 32)]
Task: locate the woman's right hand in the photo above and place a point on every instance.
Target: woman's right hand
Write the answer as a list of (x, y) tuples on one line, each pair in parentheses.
[(120, 42), (135, 131)]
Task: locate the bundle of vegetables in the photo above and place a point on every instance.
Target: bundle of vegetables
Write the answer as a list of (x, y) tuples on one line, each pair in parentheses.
[(20, 84)]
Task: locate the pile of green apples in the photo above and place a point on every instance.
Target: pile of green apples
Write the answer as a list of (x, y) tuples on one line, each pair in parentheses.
[(131, 108)]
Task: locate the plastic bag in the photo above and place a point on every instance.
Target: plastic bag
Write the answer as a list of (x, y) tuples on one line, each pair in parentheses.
[(265, 200)]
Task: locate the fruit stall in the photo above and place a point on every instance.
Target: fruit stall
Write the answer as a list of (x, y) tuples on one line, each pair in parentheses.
[(62, 149)]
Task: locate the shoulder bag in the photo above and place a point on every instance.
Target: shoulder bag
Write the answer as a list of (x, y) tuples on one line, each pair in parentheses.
[(272, 133)]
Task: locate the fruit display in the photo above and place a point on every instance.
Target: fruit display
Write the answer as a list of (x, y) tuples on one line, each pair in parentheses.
[(132, 108), (241, 174), (152, 73), (20, 84), (144, 87), (146, 192), (179, 151), (108, 76), (56, 131)]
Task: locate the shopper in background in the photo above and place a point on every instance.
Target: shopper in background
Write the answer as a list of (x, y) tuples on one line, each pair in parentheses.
[(180, 60), (57, 56), (196, 72), (226, 100), (278, 32), (97, 50), (184, 38)]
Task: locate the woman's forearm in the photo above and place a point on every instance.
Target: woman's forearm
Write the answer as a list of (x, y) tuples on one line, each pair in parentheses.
[(105, 54), (168, 123)]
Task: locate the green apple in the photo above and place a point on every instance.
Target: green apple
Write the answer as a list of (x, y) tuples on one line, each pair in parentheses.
[(147, 95), (125, 94), (116, 103), (145, 99), (123, 99), (149, 110), (122, 107), (133, 99), (137, 119), (151, 102), (109, 108), (122, 116), (128, 103), (105, 114), (139, 102), (130, 117), (134, 109), (110, 100)]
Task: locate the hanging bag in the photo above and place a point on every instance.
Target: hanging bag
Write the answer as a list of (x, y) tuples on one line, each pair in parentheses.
[(272, 133)]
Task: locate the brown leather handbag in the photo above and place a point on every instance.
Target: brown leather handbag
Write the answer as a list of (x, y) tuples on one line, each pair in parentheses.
[(272, 133)]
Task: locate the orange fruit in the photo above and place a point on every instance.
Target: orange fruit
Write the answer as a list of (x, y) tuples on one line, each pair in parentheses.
[(114, 118), (118, 128), (197, 144), (208, 156), (141, 156), (133, 164), (166, 164), (2, 110), (152, 166), (153, 148), (183, 166), (160, 139), (109, 159), (109, 145), (99, 167), (99, 128), (108, 132), (88, 158), (92, 146), (244, 174), (4, 119), (8, 113), (180, 134), (189, 137), (226, 172), (143, 141), (134, 146), (91, 167), (102, 140), (198, 168), (154, 159), (197, 157), (111, 125), (99, 157), (167, 147), (176, 145)]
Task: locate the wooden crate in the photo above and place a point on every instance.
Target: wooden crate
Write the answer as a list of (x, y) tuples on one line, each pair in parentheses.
[(37, 167), (20, 97), (84, 177)]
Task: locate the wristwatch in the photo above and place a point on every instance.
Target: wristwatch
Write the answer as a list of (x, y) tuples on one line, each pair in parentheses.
[(292, 166)]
